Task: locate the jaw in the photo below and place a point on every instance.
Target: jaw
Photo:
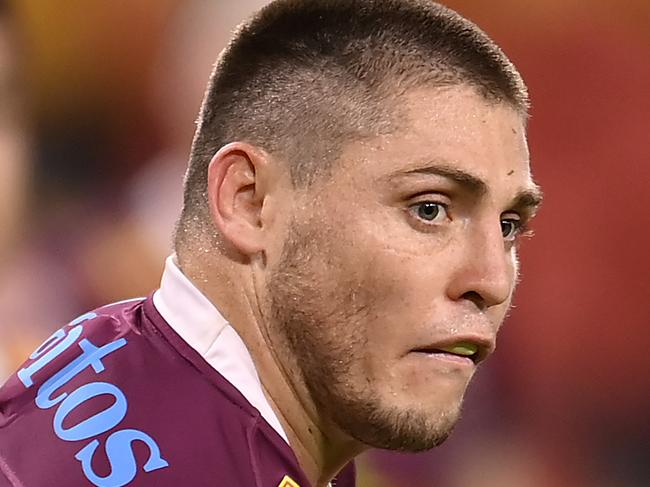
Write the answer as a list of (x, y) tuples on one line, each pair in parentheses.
[(393, 414)]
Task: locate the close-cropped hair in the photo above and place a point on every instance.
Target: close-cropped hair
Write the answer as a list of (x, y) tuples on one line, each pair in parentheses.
[(301, 78)]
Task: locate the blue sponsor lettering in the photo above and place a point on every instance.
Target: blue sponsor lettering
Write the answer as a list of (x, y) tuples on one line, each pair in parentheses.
[(51, 348), (119, 444), (120, 456), (91, 355), (97, 424)]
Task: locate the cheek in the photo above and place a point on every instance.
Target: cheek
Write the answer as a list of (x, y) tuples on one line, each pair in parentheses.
[(386, 276), (397, 291)]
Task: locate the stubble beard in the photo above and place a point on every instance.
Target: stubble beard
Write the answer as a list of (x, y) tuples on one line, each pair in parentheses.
[(323, 329)]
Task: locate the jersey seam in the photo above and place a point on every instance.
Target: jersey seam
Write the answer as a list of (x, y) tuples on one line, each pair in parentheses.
[(8, 474), (249, 437)]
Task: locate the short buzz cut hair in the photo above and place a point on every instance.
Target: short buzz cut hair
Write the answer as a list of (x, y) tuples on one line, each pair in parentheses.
[(301, 78)]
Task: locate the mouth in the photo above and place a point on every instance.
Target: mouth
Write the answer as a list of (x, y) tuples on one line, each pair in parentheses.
[(467, 350)]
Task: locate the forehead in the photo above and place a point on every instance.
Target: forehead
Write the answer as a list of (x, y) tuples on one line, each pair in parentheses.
[(454, 127)]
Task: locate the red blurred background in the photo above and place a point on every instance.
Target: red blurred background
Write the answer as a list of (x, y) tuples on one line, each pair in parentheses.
[(97, 102)]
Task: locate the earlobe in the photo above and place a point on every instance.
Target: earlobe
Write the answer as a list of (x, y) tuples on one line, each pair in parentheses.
[(236, 195)]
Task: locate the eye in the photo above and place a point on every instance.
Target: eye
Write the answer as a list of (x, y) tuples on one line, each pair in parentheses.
[(430, 211), (510, 228)]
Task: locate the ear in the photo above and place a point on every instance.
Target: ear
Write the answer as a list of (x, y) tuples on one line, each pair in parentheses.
[(236, 192)]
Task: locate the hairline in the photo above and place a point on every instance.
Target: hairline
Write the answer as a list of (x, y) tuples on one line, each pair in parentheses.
[(485, 68)]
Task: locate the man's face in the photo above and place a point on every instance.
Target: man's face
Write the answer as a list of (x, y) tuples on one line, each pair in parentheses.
[(398, 269)]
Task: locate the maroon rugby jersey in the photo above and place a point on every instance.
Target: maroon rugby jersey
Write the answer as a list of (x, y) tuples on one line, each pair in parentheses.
[(117, 398)]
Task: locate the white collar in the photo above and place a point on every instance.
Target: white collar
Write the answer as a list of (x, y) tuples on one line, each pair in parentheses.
[(202, 326)]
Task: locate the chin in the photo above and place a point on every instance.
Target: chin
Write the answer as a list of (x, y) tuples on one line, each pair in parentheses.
[(387, 426)]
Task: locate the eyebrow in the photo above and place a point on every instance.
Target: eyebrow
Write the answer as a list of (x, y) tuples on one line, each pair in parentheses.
[(526, 200)]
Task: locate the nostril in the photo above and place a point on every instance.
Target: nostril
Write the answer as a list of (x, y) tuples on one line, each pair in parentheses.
[(475, 298)]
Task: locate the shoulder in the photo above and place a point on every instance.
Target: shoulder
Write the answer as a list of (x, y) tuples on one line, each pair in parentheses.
[(116, 398), (69, 400), (87, 341)]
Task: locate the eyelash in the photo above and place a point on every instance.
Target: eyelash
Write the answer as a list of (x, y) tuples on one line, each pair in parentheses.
[(521, 227)]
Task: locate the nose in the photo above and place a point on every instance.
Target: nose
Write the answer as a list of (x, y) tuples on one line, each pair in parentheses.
[(485, 270)]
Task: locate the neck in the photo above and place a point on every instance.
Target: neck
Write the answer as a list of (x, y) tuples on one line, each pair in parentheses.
[(321, 449)]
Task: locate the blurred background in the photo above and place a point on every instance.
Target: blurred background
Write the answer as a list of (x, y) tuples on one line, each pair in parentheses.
[(97, 103)]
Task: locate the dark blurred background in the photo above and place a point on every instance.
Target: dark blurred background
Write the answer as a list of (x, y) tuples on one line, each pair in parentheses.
[(97, 103)]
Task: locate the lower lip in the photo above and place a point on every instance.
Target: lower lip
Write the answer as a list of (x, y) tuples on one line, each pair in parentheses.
[(447, 357)]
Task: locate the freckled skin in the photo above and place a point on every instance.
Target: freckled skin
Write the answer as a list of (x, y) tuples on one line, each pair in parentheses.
[(361, 281)]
